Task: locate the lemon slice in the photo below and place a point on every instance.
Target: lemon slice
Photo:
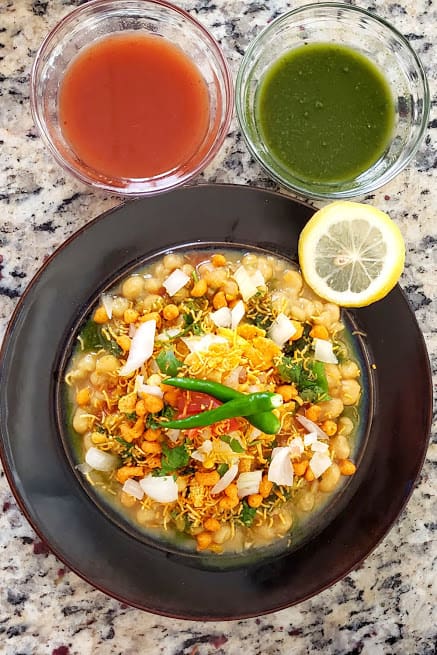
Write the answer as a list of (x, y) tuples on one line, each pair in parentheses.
[(351, 254)]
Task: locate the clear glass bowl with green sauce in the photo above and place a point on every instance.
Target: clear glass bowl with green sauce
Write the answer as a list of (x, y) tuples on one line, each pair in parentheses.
[(332, 100)]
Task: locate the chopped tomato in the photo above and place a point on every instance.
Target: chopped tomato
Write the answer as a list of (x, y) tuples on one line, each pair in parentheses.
[(193, 402)]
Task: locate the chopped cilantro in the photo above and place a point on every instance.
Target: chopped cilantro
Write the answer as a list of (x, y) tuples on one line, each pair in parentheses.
[(168, 362), (132, 416), (247, 514), (221, 469), (259, 310), (173, 459), (126, 454), (152, 420), (310, 380), (190, 324), (93, 338), (234, 443)]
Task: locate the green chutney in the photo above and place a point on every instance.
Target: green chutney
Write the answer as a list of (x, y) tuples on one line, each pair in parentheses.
[(325, 112)]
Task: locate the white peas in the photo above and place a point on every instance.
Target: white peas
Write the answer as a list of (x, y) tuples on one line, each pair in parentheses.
[(340, 446), (107, 364), (330, 409), (350, 392), (172, 261), (133, 287), (349, 370), (81, 421), (330, 478), (345, 426), (119, 306)]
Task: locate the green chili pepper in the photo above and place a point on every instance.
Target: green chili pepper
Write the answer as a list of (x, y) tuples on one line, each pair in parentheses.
[(249, 404), (267, 422)]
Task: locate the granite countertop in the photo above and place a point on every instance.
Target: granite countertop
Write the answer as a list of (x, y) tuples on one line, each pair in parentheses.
[(388, 605)]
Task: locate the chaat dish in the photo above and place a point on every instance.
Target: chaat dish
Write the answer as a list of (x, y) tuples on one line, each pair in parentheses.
[(215, 399)]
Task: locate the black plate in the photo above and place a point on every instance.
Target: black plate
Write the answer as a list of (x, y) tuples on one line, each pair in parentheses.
[(63, 514)]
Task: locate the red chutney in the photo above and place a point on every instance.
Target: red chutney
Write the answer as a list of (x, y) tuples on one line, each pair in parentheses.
[(133, 105)]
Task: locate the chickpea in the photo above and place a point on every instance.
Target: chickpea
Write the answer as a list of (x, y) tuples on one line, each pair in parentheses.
[(250, 260), (127, 500), (87, 363), (216, 277), (302, 309), (350, 392), (340, 447), (222, 534), (349, 370), (345, 426), (145, 515), (330, 409), (107, 364), (328, 316), (306, 501), (133, 287), (292, 280), (119, 306), (230, 289), (151, 302), (96, 379), (172, 261), (330, 478), (188, 269), (152, 285), (265, 268), (333, 378), (81, 421), (283, 521)]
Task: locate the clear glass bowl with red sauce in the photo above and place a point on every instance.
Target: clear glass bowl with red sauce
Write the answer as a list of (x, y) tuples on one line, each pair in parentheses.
[(131, 96)]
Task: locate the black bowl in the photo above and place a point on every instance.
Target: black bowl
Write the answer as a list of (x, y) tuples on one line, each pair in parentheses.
[(87, 539)]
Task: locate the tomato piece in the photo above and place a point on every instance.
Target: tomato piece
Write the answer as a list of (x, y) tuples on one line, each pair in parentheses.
[(194, 402)]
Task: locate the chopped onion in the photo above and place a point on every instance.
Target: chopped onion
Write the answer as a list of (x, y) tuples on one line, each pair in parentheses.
[(84, 468), (202, 343), (108, 303), (296, 446), (133, 488), (151, 389), (281, 468), (232, 379), (163, 490), (222, 317), (225, 480), (132, 330), (100, 460), (323, 351), (203, 450), (248, 283), (173, 434), (319, 463), (319, 447), (248, 483), (311, 426), (310, 438), (141, 347), (281, 330), (237, 313), (175, 281)]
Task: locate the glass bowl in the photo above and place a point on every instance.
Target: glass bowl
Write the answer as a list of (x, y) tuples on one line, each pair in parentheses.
[(100, 18), (341, 24)]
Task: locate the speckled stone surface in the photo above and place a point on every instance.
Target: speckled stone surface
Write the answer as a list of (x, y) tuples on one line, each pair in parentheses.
[(388, 605)]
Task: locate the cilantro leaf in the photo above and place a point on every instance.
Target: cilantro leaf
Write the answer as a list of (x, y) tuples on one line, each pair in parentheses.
[(132, 416), (153, 420), (174, 458), (248, 514), (222, 469), (168, 363), (310, 380), (234, 443), (92, 338)]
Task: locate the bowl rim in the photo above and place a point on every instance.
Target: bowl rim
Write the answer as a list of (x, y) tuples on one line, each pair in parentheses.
[(245, 210), (357, 190), (141, 186)]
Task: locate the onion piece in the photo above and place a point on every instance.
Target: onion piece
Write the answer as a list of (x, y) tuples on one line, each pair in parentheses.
[(319, 463), (237, 313), (281, 468), (323, 351), (202, 343), (141, 347), (203, 450), (163, 490), (222, 317), (151, 389), (310, 438), (100, 460), (248, 483), (108, 303), (232, 379), (133, 488), (83, 468), (225, 480), (296, 447), (132, 330), (248, 283), (173, 434), (310, 426), (319, 447), (175, 281), (281, 330)]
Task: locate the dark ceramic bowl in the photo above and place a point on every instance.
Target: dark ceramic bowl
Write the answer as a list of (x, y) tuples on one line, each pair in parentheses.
[(94, 544)]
